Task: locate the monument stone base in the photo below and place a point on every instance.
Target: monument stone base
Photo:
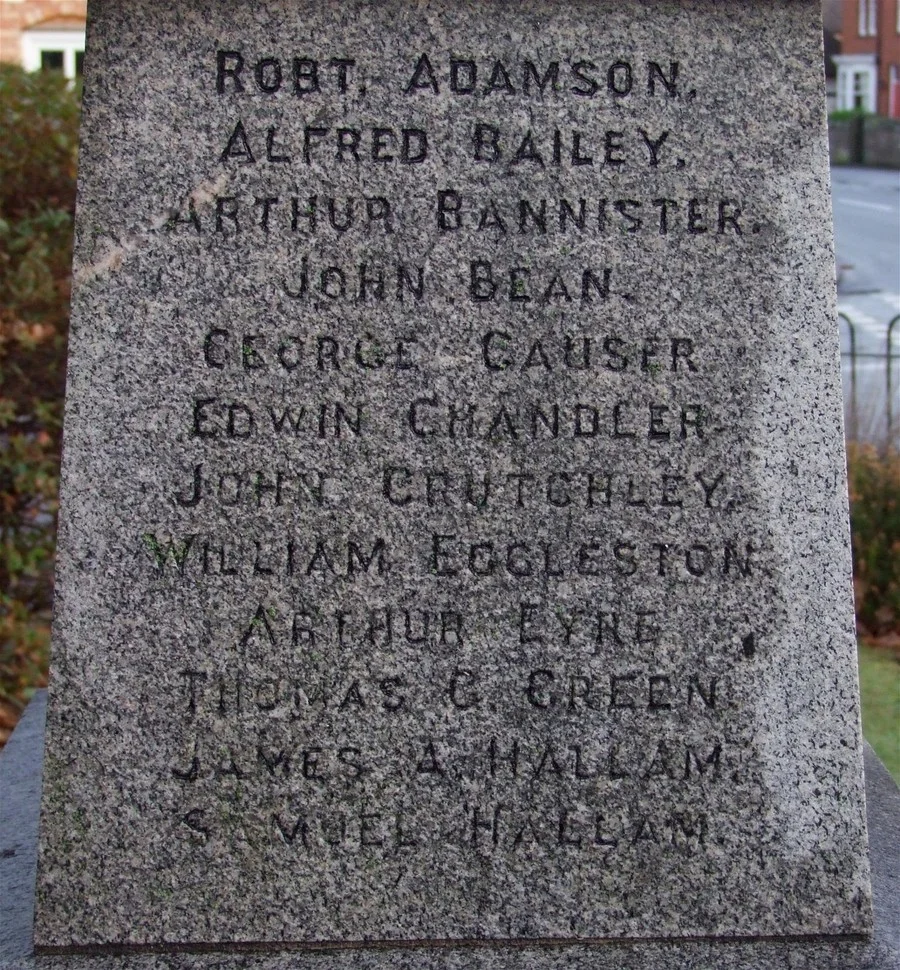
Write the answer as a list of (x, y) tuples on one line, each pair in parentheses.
[(20, 787)]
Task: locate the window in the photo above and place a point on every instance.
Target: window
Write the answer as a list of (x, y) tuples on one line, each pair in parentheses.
[(54, 50), (52, 60), (868, 18), (859, 93), (856, 82)]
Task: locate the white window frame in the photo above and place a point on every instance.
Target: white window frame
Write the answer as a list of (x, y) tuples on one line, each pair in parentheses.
[(35, 41), (851, 67), (868, 18)]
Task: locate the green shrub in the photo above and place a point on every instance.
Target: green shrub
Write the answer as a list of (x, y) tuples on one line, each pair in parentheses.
[(845, 114), (38, 158), (874, 479)]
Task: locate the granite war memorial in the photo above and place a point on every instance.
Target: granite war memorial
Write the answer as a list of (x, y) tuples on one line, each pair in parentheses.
[(453, 547)]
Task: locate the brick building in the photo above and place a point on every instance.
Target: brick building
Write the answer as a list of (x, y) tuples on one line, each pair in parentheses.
[(868, 67), (43, 34)]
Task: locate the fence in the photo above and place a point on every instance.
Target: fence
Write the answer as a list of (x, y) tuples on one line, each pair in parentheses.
[(854, 356), (864, 140)]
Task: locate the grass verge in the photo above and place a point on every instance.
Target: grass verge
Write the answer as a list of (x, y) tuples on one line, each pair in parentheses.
[(879, 687)]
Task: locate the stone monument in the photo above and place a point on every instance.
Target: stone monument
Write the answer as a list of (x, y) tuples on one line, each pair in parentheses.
[(453, 545)]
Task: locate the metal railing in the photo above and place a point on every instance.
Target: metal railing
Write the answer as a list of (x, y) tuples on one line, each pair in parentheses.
[(854, 356)]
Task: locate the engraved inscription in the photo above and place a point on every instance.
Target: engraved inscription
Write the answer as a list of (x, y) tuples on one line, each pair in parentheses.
[(470, 468)]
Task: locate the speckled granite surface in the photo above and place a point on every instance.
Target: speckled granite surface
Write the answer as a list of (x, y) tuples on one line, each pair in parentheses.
[(454, 535), (20, 777)]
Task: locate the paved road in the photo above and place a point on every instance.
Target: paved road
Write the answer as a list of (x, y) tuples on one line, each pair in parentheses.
[(867, 243)]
